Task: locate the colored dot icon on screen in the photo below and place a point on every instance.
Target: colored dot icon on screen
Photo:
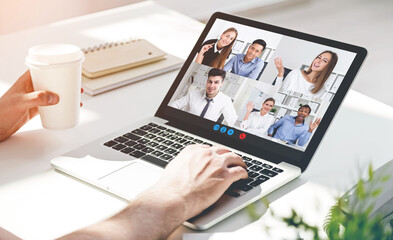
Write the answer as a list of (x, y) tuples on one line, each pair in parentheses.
[(216, 127), (223, 129), (230, 132), (242, 136)]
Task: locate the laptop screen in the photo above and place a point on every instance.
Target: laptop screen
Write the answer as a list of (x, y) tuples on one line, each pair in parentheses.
[(263, 87)]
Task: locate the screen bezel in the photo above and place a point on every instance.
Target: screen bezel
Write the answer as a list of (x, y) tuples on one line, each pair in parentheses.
[(266, 149)]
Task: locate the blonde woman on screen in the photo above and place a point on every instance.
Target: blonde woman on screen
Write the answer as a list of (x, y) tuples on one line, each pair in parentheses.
[(311, 81)]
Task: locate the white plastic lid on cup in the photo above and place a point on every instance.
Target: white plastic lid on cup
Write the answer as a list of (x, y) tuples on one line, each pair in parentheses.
[(53, 55)]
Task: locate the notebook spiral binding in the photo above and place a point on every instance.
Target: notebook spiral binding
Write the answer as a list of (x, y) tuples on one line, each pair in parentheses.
[(109, 45)]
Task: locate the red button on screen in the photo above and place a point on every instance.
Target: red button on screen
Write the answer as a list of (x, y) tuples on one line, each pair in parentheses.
[(242, 136)]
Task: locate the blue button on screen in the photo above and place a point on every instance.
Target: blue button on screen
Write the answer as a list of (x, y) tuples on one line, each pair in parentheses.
[(230, 132), (216, 127), (223, 129)]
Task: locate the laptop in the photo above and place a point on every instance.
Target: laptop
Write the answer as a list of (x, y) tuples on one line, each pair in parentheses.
[(306, 76)]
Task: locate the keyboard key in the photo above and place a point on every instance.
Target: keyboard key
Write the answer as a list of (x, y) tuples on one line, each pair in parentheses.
[(137, 154), (252, 174), (152, 144), (130, 143), (177, 146), (157, 153), (256, 162), (209, 144), (256, 183), (121, 139), (166, 157), (279, 170), (175, 153), (198, 141), (173, 138), (170, 151), (188, 137), (148, 150), (188, 143), (119, 146), (167, 142), (155, 160), (267, 166), (232, 193), (139, 146), (242, 182), (164, 134), (150, 136), (170, 130), (255, 168), (161, 147), (139, 132), (239, 154), (181, 140), (159, 139), (245, 188), (110, 143), (249, 164), (127, 150), (268, 173), (143, 141), (132, 136), (161, 127), (263, 178), (152, 124), (146, 127), (154, 130), (247, 158), (179, 134)]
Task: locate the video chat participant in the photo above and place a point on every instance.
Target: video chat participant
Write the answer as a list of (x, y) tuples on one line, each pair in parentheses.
[(210, 102), (214, 52), (191, 182), (292, 129), (248, 65), (311, 81), (258, 122)]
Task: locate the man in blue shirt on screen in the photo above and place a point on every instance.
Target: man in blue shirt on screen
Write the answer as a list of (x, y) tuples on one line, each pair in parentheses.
[(292, 129), (248, 65)]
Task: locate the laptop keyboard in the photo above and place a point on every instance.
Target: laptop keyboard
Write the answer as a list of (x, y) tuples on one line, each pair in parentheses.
[(159, 145)]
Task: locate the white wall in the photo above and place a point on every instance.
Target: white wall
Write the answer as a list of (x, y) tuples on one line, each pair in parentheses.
[(16, 15)]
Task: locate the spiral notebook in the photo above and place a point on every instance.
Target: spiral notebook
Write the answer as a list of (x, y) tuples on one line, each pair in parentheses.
[(113, 65)]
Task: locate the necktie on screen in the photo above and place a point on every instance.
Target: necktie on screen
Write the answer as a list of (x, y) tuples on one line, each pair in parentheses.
[(206, 107)]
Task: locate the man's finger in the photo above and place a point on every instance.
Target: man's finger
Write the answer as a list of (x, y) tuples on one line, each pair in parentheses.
[(40, 98), (237, 173), (218, 149), (232, 159)]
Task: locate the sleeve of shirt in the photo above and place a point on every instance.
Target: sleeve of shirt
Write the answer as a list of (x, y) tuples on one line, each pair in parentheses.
[(229, 113), (303, 139), (291, 75), (229, 65), (274, 126), (181, 103), (263, 131), (255, 72), (245, 124)]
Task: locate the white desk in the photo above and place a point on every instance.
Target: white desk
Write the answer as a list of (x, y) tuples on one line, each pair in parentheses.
[(39, 203)]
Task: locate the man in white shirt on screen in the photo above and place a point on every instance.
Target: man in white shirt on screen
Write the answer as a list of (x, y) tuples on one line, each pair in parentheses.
[(209, 103)]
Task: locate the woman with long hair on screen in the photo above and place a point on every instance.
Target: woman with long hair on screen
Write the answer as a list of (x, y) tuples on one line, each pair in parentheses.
[(258, 123), (214, 52), (311, 81)]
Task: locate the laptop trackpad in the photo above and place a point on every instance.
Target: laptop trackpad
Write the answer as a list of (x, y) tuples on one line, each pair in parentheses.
[(129, 181)]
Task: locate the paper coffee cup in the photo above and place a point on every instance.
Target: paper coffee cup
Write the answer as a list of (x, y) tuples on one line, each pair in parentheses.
[(57, 68)]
